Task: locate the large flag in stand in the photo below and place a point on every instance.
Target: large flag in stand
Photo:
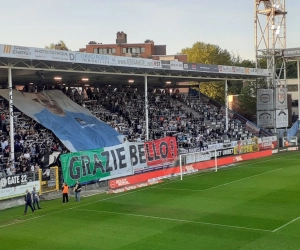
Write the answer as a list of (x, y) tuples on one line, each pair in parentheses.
[(121, 160), (74, 125)]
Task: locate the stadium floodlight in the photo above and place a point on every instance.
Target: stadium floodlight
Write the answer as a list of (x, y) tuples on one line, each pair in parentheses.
[(278, 30), (131, 81), (168, 82), (85, 79), (187, 160), (57, 78)]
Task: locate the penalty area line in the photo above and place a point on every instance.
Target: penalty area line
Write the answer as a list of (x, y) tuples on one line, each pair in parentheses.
[(176, 220), (286, 224)]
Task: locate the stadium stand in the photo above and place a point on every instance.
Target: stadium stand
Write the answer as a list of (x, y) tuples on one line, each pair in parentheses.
[(195, 122)]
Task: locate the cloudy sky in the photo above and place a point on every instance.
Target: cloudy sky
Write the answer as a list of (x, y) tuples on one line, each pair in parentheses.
[(178, 24)]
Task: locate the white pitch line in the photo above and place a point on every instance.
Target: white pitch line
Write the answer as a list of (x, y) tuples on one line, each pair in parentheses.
[(176, 220), (242, 179), (201, 190), (286, 224), (126, 193)]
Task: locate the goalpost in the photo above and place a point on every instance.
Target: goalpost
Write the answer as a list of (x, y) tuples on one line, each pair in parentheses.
[(195, 157)]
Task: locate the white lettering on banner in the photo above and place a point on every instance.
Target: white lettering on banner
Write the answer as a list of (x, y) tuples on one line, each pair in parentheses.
[(293, 149), (17, 190), (122, 182), (227, 151), (188, 168), (176, 65), (135, 186), (266, 139), (237, 158), (12, 51), (12, 181), (157, 64), (197, 157), (215, 146), (266, 144)]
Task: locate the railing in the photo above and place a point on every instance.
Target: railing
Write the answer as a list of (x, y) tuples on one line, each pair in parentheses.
[(294, 129)]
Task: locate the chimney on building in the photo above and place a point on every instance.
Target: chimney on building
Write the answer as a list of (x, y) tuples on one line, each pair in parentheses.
[(121, 37)]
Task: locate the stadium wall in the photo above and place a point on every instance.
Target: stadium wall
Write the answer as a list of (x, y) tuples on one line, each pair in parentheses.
[(146, 179)]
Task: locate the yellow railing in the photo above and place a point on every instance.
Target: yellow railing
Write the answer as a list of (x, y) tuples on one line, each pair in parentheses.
[(49, 183)]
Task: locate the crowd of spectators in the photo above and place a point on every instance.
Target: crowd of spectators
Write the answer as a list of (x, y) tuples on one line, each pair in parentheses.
[(194, 122), (32, 143)]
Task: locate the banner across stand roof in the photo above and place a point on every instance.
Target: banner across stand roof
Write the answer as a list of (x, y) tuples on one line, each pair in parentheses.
[(22, 57)]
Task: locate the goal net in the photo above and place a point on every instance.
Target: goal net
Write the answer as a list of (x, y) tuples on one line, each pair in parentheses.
[(186, 161)]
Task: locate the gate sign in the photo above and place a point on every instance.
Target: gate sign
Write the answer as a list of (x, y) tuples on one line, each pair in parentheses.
[(265, 99), (16, 185)]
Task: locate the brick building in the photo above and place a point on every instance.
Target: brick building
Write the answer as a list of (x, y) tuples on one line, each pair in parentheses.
[(121, 48)]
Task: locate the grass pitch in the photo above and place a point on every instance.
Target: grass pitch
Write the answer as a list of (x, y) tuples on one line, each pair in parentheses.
[(253, 205)]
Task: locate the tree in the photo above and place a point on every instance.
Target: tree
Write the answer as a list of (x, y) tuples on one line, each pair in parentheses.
[(209, 54), (61, 45)]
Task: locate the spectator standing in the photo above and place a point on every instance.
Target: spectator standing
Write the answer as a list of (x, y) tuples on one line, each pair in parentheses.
[(28, 202), (65, 192), (77, 190), (35, 198)]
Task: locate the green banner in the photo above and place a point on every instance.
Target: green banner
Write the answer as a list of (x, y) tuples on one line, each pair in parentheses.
[(85, 166), (99, 164)]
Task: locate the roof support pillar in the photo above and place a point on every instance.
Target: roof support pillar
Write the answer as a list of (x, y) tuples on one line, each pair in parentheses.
[(11, 115), (146, 108), (226, 104)]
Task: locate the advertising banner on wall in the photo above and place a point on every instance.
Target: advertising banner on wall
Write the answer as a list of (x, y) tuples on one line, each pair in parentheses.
[(176, 65), (24, 52), (282, 119), (265, 99), (265, 118), (281, 98), (269, 142), (294, 52), (16, 185)]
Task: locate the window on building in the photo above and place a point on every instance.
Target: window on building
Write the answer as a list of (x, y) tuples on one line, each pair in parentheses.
[(295, 103), (138, 50), (133, 50), (96, 51), (100, 51), (124, 50), (104, 51), (292, 87), (109, 51), (142, 50), (114, 50)]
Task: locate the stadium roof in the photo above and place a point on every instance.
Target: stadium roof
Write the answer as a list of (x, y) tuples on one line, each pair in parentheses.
[(36, 65), (292, 54)]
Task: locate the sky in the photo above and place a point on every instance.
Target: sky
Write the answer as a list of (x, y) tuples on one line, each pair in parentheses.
[(175, 23)]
